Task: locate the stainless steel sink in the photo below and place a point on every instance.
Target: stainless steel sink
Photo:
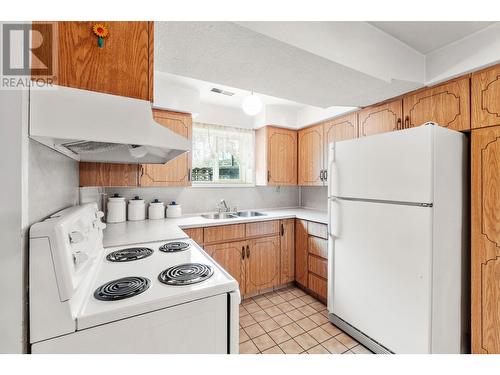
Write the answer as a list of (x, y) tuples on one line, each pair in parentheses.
[(249, 214), (220, 216)]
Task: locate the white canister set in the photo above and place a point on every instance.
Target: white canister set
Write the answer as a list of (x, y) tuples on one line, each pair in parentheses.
[(118, 211)]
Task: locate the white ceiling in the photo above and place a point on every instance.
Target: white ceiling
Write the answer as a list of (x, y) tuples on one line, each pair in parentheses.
[(324, 64), (425, 36), (207, 96)]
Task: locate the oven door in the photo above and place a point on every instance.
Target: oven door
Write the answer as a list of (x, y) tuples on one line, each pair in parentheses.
[(198, 327)]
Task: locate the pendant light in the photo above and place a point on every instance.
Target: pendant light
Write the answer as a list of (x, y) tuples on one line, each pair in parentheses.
[(252, 105)]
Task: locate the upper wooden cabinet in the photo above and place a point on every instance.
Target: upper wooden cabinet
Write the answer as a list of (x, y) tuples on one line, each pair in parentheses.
[(448, 105), (485, 99), (485, 259), (380, 118), (124, 66), (313, 147), (176, 172), (276, 156), (341, 128), (108, 174), (310, 156)]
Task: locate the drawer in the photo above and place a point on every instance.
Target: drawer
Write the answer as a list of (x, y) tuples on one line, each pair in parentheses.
[(262, 228), (318, 247), (317, 285), (196, 234), (224, 233), (317, 229), (319, 266)]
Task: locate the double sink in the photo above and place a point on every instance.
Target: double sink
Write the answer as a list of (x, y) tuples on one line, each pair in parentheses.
[(232, 215)]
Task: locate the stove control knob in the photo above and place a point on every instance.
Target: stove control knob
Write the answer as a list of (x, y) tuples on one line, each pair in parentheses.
[(80, 257), (76, 237)]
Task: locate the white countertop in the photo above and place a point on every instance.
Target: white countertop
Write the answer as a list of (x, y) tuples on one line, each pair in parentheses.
[(135, 232)]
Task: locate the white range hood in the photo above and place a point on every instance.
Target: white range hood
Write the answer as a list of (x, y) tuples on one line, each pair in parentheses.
[(96, 127)]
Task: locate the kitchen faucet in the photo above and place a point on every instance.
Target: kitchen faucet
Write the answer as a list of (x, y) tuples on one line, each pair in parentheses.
[(226, 207)]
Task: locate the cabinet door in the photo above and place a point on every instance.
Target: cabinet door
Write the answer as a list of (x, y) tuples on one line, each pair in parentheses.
[(310, 156), (124, 66), (485, 103), (447, 105), (287, 246), (301, 252), (281, 156), (485, 259), (108, 174), (262, 264), (230, 256), (380, 118), (339, 129), (176, 172)]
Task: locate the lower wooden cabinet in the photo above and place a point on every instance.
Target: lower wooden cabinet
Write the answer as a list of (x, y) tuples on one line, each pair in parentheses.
[(301, 252), (259, 255), (262, 264), (231, 256), (287, 251), (485, 258)]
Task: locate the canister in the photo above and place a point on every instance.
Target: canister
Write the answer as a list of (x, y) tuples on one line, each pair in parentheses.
[(136, 209)]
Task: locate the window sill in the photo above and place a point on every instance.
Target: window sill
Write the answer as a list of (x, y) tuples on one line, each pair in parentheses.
[(215, 185)]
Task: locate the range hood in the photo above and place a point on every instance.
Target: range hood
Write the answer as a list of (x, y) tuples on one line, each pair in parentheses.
[(96, 127)]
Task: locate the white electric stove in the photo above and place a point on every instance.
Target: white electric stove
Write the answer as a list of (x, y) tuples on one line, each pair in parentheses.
[(159, 297)]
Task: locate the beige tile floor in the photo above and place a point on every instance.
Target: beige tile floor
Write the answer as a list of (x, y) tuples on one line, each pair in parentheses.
[(288, 321)]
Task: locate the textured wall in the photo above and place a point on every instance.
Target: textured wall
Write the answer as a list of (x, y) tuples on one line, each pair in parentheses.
[(314, 197), (53, 181), (195, 199)]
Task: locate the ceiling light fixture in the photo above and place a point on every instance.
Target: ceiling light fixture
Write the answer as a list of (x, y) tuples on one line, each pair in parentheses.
[(252, 105)]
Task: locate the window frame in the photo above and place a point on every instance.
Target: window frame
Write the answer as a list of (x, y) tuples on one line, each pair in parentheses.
[(229, 183)]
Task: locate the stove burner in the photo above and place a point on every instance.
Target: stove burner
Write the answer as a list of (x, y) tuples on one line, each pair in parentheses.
[(173, 247), (186, 274), (122, 288), (127, 255)]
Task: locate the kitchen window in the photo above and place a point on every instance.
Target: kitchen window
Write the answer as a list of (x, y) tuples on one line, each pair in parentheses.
[(222, 155)]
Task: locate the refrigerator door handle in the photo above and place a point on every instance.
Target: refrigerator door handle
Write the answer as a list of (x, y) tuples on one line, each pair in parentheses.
[(329, 170)]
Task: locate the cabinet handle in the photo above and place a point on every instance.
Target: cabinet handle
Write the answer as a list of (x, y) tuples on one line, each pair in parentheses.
[(398, 124), (268, 176), (189, 174), (248, 251), (243, 252), (325, 175), (407, 122), (321, 175), (282, 230)]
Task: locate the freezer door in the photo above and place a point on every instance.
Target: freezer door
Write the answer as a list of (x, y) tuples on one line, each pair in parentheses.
[(382, 272), (394, 166)]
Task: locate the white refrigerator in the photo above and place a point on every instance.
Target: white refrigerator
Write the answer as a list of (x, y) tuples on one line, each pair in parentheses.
[(397, 234)]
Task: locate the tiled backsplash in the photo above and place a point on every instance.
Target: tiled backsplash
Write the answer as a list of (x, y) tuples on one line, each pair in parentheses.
[(205, 199), (314, 197)]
